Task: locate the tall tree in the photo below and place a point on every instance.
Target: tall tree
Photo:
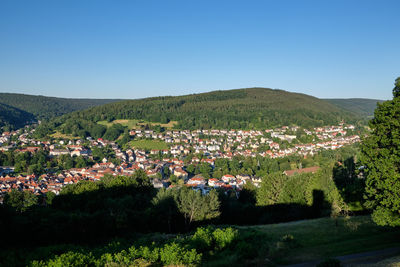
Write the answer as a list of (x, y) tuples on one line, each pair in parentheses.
[(396, 89), (195, 206), (381, 159)]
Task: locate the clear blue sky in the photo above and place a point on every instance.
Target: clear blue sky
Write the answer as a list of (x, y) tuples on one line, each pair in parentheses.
[(135, 49)]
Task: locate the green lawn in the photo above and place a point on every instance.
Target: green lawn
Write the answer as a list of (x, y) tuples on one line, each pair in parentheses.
[(129, 123), (136, 124), (149, 144), (57, 134), (321, 238)]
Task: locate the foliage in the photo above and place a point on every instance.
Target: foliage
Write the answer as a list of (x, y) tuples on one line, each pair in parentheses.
[(253, 108), (396, 89), (380, 158), (21, 201), (12, 117), (43, 107), (69, 259), (192, 204), (360, 106), (271, 188)]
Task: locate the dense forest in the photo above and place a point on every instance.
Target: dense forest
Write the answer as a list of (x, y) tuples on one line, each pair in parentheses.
[(28, 107), (361, 106), (11, 117), (253, 108)]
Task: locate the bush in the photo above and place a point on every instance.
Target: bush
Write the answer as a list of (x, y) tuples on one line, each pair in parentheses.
[(175, 254), (203, 238), (224, 237), (68, 259)]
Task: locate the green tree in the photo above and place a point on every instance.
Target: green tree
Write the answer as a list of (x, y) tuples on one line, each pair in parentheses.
[(21, 201), (271, 189), (380, 156), (195, 206), (396, 89)]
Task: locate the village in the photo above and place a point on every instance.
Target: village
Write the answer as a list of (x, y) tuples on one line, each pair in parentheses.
[(182, 144)]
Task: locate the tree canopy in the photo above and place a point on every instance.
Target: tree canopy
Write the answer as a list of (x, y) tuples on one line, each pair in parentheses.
[(251, 108), (381, 161)]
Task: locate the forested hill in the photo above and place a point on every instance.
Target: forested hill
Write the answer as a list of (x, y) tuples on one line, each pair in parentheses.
[(41, 107), (13, 117), (237, 109), (361, 106), (44, 107)]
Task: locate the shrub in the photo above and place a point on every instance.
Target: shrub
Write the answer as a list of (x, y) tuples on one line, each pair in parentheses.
[(224, 237), (203, 238), (68, 259), (175, 254)]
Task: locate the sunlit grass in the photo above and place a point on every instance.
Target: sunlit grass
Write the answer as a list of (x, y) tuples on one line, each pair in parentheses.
[(136, 124), (149, 144), (321, 238), (57, 134)]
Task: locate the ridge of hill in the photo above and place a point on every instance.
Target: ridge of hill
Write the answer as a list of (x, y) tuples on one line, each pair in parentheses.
[(361, 106), (250, 108), (37, 107), (13, 117)]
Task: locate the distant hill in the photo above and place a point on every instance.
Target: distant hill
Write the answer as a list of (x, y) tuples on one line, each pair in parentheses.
[(251, 108), (12, 117), (360, 106), (43, 107)]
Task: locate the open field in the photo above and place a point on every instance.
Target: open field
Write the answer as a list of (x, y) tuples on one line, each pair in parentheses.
[(321, 238), (148, 144), (57, 134), (135, 124), (308, 241)]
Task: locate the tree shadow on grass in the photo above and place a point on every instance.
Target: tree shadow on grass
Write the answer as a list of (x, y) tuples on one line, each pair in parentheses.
[(249, 213)]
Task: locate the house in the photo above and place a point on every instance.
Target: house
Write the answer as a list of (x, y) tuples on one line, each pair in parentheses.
[(213, 182), (197, 181), (228, 178), (158, 184), (179, 172), (58, 152)]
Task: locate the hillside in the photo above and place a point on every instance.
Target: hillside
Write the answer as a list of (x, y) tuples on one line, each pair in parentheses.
[(254, 108), (360, 106), (42, 107), (13, 117)]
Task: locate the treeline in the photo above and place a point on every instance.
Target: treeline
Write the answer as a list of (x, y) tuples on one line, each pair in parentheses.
[(263, 166), (119, 204), (254, 108), (94, 211), (40, 162)]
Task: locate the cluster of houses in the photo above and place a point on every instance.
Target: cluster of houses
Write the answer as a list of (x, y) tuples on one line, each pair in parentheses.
[(213, 144), (226, 144)]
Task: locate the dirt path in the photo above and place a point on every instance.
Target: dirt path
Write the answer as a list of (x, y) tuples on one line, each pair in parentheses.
[(359, 259)]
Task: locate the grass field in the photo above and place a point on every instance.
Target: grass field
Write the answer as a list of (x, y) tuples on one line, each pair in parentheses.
[(149, 144), (310, 241), (135, 124), (321, 238), (57, 134)]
